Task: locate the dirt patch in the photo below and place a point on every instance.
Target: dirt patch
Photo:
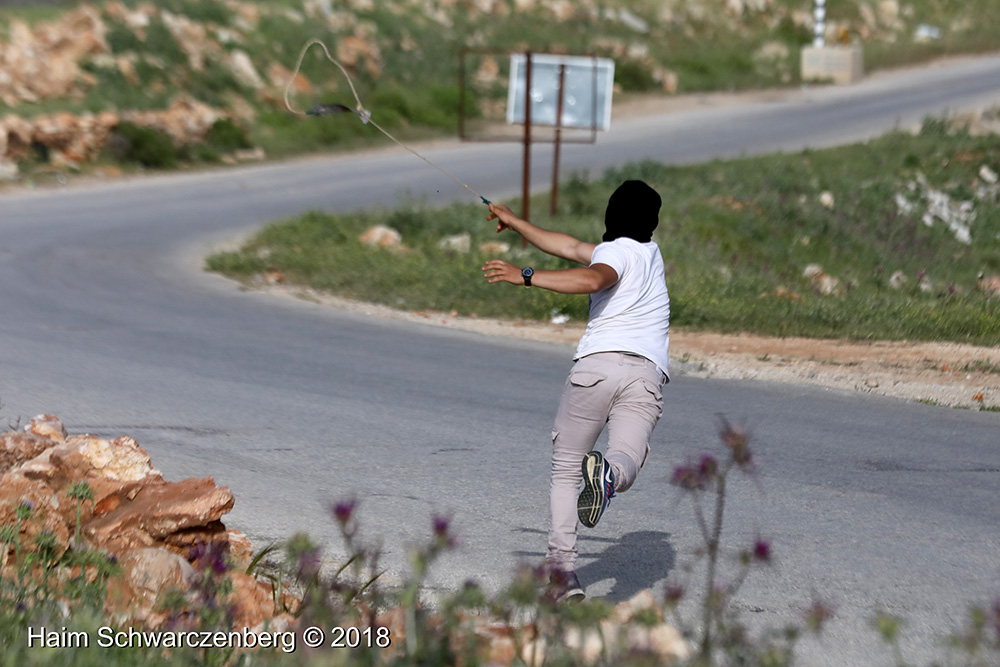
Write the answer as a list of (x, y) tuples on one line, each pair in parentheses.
[(948, 374)]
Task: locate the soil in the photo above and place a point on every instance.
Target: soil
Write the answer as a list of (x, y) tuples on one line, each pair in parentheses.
[(946, 374)]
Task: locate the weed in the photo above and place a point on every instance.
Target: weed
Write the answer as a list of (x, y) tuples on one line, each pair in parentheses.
[(987, 366)]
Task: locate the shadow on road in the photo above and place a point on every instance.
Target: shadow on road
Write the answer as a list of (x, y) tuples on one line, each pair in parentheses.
[(634, 562)]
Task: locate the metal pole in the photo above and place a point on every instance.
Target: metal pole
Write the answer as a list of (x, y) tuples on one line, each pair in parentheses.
[(555, 161), (461, 94), (526, 171), (819, 29)]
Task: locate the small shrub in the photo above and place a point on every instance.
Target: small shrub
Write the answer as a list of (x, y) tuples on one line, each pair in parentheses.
[(142, 145), (227, 136)]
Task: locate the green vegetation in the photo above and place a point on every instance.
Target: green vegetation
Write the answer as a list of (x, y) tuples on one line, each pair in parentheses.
[(737, 237), (406, 67)]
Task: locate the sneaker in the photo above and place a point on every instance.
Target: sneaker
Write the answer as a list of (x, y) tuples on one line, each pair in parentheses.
[(564, 587), (598, 489)]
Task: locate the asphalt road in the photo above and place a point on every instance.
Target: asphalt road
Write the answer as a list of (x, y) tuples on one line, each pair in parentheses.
[(107, 321)]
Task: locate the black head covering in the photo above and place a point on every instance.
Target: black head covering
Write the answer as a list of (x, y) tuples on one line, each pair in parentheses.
[(633, 212)]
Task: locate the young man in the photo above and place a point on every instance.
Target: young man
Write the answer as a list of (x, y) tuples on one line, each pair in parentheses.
[(620, 364)]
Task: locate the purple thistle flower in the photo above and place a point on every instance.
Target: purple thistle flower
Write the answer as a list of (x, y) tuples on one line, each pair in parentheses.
[(673, 595), (762, 551), (685, 477), (737, 439), (696, 476), (343, 510), (817, 615), (210, 557), (310, 561), (441, 526)]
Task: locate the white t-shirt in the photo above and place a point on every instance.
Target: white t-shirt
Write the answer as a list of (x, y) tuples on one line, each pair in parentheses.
[(633, 315)]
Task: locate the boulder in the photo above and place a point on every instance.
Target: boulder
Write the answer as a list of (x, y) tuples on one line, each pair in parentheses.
[(380, 236)]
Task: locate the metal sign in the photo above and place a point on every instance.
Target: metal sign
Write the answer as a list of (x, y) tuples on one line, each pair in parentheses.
[(587, 84)]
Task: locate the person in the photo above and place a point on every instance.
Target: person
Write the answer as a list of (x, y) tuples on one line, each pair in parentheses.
[(620, 364)]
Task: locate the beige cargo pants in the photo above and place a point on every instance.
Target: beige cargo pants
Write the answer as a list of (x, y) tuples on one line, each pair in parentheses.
[(615, 389)]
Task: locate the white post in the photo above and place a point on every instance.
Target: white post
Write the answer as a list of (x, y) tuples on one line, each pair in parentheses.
[(819, 31)]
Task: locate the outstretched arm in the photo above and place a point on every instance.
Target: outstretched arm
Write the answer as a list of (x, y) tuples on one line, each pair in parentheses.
[(556, 244)]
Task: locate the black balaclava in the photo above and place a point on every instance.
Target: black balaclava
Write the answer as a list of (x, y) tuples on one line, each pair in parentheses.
[(633, 212)]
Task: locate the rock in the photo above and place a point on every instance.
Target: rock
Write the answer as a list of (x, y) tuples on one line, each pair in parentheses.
[(381, 236), (926, 33), (150, 571), (16, 448), (155, 528), (186, 120), (888, 13), (42, 63), (812, 271), (193, 39), (612, 638), (668, 79), (643, 601), (252, 600), (47, 426), (897, 279), (821, 282), (494, 248), (988, 174), (242, 67), (279, 76), (122, 460), (186, 511), (989, 284), (461, 243), (240, 549), (9, 171), (255, 154), (351, 49)]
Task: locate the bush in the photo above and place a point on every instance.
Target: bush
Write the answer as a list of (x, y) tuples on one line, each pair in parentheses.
[(142, 145), (226, 136)]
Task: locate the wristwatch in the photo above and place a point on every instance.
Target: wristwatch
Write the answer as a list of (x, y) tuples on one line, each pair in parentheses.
[(526, 273)]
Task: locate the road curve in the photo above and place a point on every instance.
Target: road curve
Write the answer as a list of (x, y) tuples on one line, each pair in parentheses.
[(107, 321)]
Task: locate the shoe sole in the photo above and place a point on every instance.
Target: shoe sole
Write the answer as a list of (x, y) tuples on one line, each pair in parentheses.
[(590, 504)]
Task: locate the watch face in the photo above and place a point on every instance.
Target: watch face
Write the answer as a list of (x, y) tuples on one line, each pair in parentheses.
[(527, 272)]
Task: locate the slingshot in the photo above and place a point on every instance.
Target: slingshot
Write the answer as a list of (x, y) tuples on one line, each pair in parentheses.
[(359, 110)]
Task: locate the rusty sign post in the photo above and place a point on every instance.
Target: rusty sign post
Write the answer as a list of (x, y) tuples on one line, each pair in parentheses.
[(564, 93)]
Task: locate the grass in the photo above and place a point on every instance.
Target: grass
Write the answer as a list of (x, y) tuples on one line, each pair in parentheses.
[(411, 82), (736, 236)]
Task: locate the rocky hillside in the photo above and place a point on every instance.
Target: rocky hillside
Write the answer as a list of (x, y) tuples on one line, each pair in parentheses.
[(77, 80)]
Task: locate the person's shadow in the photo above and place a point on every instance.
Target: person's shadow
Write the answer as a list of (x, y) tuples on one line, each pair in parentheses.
[(636, 561)]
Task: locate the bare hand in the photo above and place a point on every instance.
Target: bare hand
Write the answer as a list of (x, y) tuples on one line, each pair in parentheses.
[(497, 270), (503, 215)]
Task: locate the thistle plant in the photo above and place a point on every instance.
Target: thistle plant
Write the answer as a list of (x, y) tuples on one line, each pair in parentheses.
[(704, 481), (22, 514), (80, 492)]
